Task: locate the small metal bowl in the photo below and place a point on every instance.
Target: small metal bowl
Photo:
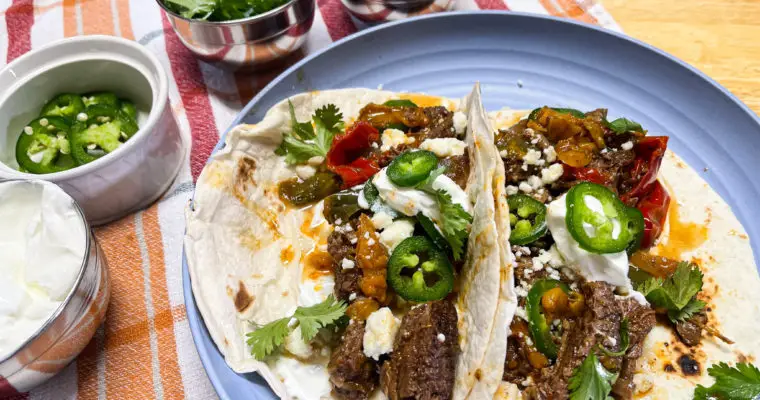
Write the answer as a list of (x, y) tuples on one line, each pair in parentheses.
[(371, 12), (68, 330), (259, 42)]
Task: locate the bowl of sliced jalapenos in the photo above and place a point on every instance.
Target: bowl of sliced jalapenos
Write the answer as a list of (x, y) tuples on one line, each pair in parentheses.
[(91, 114), (73, 130)]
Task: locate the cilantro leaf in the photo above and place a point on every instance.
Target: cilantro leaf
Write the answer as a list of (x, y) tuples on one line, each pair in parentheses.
[(692, 307), (684, 284), (455, 222), (590, 380), (625, 339), (302, 130), (427, 184), (302, 143), (731, 383), (329, 122), (265, 339), (675, 292), (311, 319), (623, 125), (197, 9)]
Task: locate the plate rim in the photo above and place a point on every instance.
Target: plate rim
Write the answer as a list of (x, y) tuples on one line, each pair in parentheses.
[(195, 319)]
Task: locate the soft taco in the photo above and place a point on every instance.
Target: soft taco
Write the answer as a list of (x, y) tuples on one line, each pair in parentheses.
[(354, 244), (633, 278)]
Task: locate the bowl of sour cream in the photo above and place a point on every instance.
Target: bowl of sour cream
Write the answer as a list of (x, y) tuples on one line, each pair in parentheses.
[(54, 286)]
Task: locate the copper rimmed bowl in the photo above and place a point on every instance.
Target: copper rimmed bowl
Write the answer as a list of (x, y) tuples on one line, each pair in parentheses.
[(71, 326), (256, 42)]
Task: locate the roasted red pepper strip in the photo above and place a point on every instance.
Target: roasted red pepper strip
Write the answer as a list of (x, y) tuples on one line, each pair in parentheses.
[(345, 157), (649, 153), (654, 208)]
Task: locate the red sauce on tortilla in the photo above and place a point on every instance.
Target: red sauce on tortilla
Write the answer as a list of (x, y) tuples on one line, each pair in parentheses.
[(683, 235)]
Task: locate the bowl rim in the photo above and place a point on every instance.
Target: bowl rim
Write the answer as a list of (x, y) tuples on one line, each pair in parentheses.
[(159, 94), (89, 241), (252, 18)]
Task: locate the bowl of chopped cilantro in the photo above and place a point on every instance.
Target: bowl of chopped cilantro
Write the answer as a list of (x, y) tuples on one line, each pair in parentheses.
[(241, 33)]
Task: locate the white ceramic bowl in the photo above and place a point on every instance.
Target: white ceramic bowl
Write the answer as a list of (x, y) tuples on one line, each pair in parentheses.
[(132, 176)]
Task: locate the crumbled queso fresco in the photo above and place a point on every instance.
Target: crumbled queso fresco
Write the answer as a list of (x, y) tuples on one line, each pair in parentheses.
[(548, 175)]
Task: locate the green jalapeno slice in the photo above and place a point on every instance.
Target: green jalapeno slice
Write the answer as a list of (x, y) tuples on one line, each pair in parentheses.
[(412, 167), (420, 271), (527, 217), (599, 221), (44, 146), (66, 105)]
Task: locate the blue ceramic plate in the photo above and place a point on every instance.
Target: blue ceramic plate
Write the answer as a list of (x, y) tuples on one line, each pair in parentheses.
[(556, 62)]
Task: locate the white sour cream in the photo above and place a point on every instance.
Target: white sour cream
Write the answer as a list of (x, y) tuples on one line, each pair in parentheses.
[(411, 201), (611, 268), (303, 381), (42, 248)]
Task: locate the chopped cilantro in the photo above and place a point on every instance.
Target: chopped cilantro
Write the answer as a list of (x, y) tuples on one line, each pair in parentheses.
[(455, 222), (676, 293), (731, 383), (267, 338), (591, 381), (302, 142), (623, 125)]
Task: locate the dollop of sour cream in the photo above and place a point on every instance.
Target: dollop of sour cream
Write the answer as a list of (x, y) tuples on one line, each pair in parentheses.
[(611, 268), (411, 201), (42, 248)]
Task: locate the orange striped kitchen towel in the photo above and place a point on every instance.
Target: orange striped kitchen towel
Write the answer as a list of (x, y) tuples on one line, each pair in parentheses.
[(144, 350)]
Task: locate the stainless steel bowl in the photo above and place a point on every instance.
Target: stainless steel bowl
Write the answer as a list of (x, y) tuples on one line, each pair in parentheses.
[(63, 336), (258, 42), (370, 12)]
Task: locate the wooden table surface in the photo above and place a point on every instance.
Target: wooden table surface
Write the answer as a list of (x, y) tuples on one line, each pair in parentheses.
[(720, 37)]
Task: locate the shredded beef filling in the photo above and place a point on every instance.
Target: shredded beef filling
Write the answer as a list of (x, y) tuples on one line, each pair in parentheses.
[(423, 360), (599, 324), (352, 374)]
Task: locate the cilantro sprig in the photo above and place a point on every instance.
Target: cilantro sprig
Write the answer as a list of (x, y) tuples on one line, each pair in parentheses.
[(623, 125), (731, 383), (590, 380), (305, 141), (676, 294), (270, 337), (455, 221)]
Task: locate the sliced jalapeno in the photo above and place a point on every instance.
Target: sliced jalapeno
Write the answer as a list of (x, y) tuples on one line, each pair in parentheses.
[(412, 167), (129, 109), (64, 105), (527, 217), (399, 103), (44, 146), (100, 98), (104, 131), (433, 233), (419, 271), (539, 327), (599, 221), (575, 113)]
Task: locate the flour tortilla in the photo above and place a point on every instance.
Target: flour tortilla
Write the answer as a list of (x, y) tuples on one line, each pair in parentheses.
[(731, 290), (244, 247)]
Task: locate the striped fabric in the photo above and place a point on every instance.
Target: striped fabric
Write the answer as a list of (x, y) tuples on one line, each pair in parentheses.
[(145, 349)]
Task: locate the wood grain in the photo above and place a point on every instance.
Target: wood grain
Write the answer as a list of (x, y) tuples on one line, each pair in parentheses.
[(720, 37)]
